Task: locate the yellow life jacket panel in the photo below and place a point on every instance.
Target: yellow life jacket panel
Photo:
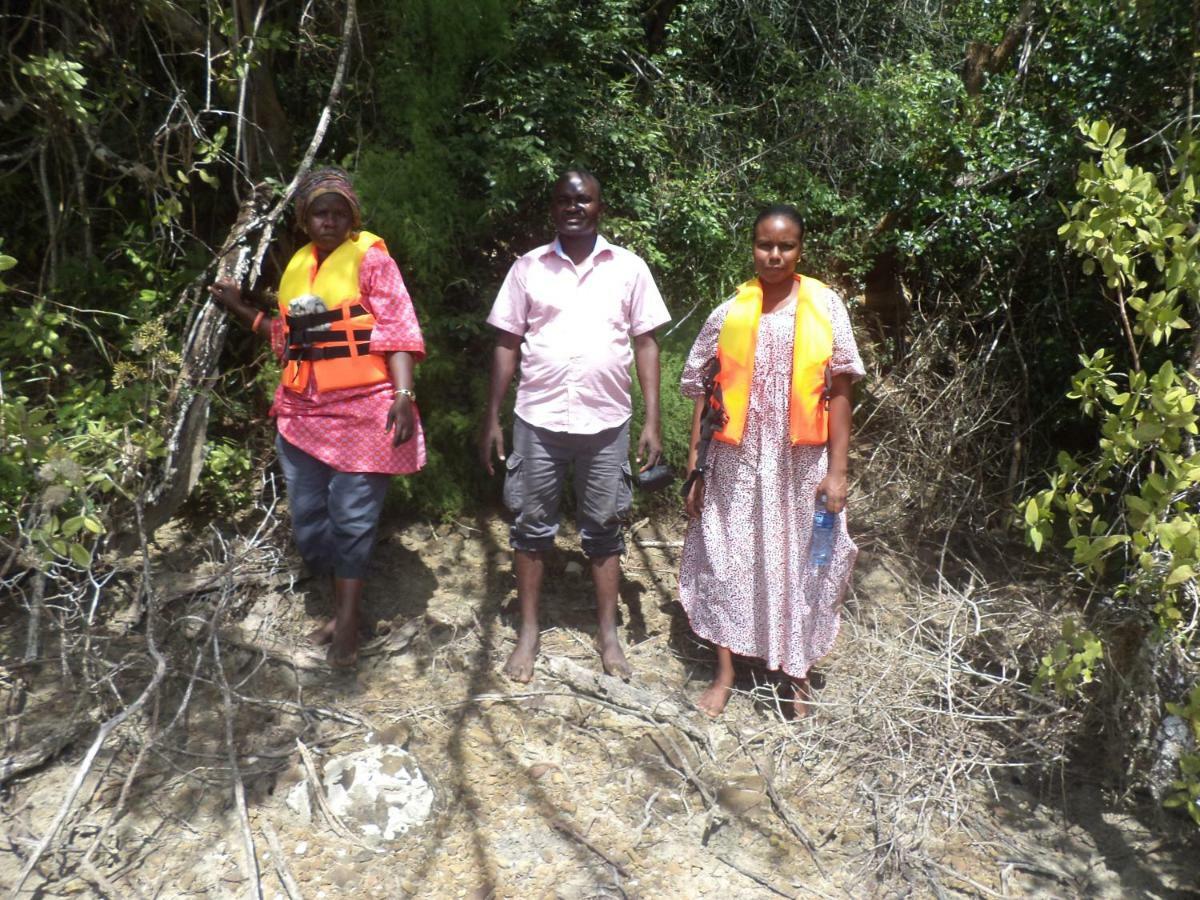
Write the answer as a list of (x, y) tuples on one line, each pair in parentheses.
[(333, 346), (812, 350)]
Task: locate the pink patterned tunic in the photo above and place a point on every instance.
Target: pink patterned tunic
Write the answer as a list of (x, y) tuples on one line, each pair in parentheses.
[(345, 429), (744, 580)]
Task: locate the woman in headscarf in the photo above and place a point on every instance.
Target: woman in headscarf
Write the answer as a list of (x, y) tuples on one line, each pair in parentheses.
[(347, 337)]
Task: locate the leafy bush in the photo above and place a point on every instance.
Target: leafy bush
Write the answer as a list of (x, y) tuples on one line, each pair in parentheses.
[(1129, 504)]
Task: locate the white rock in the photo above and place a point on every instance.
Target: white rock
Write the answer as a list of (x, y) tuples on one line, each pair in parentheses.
[(301, 848), (380, 790), (298, 801)]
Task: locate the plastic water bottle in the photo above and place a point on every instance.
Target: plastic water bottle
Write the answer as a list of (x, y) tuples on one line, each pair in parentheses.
[(822, 536)]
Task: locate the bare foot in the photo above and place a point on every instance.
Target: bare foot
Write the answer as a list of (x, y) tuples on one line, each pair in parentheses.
[(612, 657), (801, 695), (520, 664), (343, 645), (321, 636), (714, 700)]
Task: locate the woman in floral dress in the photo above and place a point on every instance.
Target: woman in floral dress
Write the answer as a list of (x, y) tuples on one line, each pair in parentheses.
[(746, 580)]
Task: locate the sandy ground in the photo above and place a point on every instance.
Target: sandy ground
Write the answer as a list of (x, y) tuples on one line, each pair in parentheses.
[(544, 790)]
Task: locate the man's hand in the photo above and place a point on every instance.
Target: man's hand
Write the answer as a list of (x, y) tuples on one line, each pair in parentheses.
[(649, 446), (491, 440), (505, 359), (401, 418), (645, 357)]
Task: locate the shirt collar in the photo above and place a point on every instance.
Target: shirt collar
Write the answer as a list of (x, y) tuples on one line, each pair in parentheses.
[(602, 246)]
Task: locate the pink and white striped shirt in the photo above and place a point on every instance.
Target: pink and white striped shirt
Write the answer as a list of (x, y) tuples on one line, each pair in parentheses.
[(577, 321)]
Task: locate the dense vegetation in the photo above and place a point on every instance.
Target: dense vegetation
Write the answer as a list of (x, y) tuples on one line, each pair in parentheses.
[(933, 147)]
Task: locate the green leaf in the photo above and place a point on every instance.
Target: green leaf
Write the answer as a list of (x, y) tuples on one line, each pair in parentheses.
[(1151, 431), (1180, 575), (80, 556), (1031, 512)]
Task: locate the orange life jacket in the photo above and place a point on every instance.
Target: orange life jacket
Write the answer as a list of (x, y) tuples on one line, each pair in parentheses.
[(335, 345), (812, 349)]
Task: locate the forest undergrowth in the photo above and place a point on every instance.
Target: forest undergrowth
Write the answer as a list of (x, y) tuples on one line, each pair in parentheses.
[(1005, 192), (173, 705)]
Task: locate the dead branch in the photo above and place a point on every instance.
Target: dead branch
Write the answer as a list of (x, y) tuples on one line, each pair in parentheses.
[(633, 700), (335, 89), (958, 876), (44, 750), (81, 773), (94, 875), (317, 788), (188, 402), (186, 584), (753, 876), (239, 262), (562, 826), (280, 861), (106, 729), (36, 607), (250, 863)]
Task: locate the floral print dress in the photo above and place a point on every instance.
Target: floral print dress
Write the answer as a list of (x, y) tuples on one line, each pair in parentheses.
[(745, 581)]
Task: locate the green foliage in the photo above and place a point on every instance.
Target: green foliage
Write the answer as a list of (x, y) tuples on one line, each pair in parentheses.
[(1186, 789), (6, 263), (458, 115), (1128, 501), (1074, 661), (59, 83), (225, 486), (1129, 504)]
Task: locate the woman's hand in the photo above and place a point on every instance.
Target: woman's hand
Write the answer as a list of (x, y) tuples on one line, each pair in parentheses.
[(401, 419), (229, 295), (226, 292), (834, 487), (694, 501)]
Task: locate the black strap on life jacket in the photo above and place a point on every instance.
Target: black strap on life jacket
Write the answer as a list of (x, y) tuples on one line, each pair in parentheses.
[(311, 320), (712, 420), (337, 345), (304, 331)]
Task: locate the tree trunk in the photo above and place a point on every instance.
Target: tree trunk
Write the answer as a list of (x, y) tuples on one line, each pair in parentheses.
[(189, 399)]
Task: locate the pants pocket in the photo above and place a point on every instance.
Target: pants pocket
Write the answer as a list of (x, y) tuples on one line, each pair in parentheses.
[(514, 492), (625, 492)]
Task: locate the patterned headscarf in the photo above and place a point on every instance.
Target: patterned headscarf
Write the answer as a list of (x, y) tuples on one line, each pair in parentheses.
[(329, 180)]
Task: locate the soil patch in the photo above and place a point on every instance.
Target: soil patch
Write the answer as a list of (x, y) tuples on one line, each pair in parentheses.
[(922, 773)]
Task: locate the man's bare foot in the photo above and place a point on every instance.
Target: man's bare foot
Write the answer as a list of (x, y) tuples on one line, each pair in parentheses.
[(520, 663), (612, 657), (343, 645), (321, 636), (714, 700)]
